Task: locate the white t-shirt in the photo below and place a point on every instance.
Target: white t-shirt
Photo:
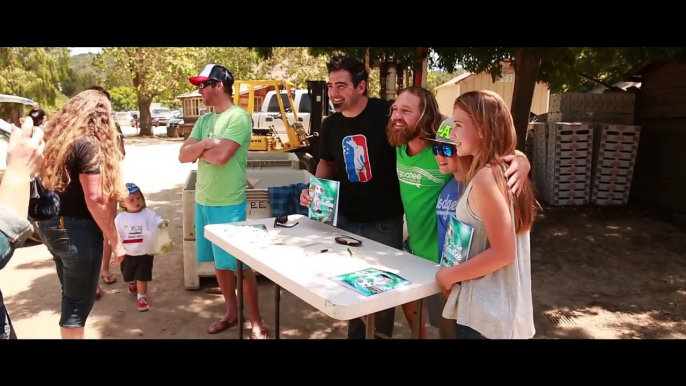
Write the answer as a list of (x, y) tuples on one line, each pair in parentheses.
[(137, 231)]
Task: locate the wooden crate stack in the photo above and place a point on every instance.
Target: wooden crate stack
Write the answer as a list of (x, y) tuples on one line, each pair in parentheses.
[(568, 164), (615, 149), (538, 131), (611, 108)]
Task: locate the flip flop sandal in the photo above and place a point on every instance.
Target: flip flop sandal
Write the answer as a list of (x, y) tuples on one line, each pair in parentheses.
[(221, 326), (263, 334), (111, 279)]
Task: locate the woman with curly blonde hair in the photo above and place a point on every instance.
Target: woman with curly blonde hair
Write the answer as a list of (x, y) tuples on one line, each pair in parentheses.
[(82, 165)]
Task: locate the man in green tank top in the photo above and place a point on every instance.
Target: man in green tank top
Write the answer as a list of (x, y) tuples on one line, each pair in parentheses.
[(415, 115)]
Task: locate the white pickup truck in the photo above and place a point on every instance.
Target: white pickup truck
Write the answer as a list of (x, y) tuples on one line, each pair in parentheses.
[(269, 113)]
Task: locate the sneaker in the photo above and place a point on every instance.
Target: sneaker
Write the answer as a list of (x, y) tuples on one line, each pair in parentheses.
[(143, 304), (133, 289)]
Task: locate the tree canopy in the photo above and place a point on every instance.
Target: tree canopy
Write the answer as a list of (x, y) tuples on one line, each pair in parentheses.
[(33, 72), (558, 66)]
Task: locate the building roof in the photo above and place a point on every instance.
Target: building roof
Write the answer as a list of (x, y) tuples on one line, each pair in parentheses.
[(636, 73), (456, 79)]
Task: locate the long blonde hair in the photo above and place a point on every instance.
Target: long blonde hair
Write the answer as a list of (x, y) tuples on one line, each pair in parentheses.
[(86, 115), (499, 138)]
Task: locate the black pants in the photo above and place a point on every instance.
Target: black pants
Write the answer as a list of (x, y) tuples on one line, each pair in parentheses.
[(389, 232), (137, 268)]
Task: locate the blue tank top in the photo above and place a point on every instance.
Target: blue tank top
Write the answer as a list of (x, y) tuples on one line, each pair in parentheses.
[(445, 207)]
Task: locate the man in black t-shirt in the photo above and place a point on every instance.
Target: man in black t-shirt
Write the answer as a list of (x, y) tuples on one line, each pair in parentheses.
[(354, 150), (37, 114)]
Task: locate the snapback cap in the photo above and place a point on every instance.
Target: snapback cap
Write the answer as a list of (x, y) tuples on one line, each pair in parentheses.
[(213, 72), (443, 132), (132, 188)]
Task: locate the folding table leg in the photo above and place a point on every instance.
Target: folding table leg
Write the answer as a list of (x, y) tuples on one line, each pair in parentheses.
[(418, 322), (239, 287), (277, 314), (370, 326)]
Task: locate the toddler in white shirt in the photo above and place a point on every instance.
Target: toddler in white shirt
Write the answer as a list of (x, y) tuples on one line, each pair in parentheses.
[(138, 228)]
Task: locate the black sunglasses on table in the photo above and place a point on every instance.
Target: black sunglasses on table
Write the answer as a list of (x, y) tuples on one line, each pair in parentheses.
[(444, 149), (281, 222)]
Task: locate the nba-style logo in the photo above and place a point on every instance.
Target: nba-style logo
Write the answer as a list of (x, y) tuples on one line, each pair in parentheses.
[(357, 158)]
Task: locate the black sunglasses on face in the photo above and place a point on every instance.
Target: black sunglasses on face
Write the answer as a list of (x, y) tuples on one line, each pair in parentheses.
[(444, 149), (207, 84)]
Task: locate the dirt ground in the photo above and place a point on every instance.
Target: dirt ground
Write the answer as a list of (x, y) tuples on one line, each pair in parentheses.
[(597, 273)]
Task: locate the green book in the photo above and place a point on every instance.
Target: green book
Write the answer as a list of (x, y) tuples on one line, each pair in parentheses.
[(457, 243), (370, 281), (324, 205)]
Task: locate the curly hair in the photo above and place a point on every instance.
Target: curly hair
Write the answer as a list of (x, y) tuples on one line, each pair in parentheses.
[(87, 115)]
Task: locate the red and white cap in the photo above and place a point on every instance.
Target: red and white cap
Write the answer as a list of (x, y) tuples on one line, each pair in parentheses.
[(213, 72)]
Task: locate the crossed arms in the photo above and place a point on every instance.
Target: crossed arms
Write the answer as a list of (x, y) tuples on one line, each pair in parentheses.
[(213, 150)]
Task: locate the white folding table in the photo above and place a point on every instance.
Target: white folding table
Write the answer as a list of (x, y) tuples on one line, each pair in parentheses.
[(298, 265)]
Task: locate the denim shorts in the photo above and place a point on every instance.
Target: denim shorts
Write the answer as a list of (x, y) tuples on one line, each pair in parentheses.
[(77, 251)]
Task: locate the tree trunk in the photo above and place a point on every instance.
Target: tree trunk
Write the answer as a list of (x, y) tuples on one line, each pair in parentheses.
[(526, 66), (145, 118), (383, 73)]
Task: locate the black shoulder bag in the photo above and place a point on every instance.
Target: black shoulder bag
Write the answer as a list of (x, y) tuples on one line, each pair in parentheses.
[(44, 204)]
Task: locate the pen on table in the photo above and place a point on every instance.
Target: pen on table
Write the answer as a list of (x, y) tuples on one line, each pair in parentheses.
[(350, 252)]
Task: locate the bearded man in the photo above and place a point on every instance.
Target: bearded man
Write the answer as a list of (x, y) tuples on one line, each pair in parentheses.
[(414, 116)]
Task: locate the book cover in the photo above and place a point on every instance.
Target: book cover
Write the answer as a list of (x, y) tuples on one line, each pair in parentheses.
[(324, 205), (370, 281), (457, 243)]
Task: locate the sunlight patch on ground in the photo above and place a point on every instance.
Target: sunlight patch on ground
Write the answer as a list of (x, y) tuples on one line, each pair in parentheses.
[(199, 306), (45, 325), (600, 323)]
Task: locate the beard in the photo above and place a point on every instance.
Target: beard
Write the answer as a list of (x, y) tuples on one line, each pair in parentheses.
[(399, 137)]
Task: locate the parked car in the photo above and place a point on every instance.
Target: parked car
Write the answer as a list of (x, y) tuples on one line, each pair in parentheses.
[(161, 116), (173, 125), (124, 118)]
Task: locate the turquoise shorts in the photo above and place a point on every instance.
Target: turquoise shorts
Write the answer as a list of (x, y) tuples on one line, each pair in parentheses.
[(206, 251)]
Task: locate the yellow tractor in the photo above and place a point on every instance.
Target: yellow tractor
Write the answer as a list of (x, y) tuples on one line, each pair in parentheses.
[(267, 139)]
